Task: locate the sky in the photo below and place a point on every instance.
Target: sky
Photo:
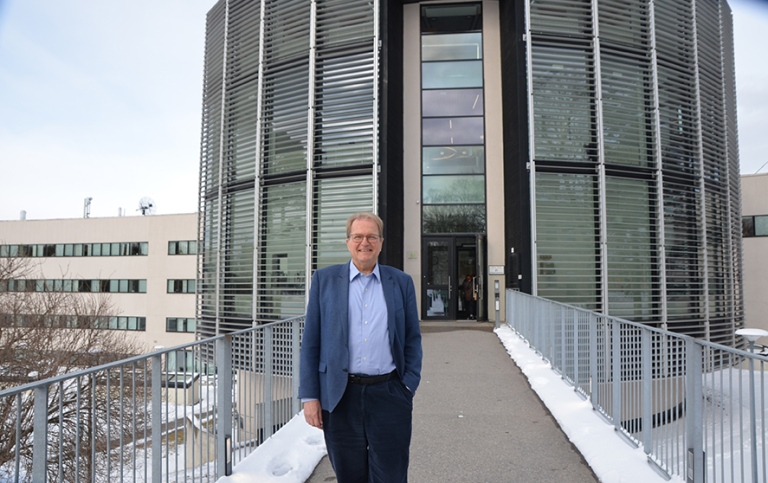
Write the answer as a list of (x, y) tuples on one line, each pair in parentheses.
[(292, 453), (102, 99)]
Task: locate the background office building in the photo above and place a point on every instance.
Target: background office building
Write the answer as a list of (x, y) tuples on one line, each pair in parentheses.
[(145, 265), (755, 231), (584, 151)]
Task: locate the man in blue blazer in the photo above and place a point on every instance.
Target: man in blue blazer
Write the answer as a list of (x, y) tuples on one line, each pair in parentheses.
[(361, 360)]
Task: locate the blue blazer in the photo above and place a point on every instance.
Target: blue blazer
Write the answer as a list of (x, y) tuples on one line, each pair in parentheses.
[(325, 342)]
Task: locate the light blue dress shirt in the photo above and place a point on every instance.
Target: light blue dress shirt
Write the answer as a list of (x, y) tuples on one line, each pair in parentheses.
[(369, 350)]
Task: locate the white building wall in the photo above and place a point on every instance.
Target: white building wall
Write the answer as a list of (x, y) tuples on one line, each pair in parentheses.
[(754, 202), (157, 267)]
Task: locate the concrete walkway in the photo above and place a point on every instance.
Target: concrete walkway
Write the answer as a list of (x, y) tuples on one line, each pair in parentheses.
[(477, 420)]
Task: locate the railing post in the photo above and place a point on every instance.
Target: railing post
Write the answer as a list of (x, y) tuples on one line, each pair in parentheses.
[(616, 365), (269, 369), (594, 381), (157, 418), (295, 354), (576, 351), (224, 370), (647, 391), (40, 434), (694, 413)]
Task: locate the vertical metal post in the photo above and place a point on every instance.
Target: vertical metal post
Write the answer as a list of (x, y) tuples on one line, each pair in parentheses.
[(752, 411), (224, 404), (647, 391), (694, 413), (594, 381), (497, 302), (40, 435), (269, 403), (157, 418), (576, 351), (295, 363), (616, 383)]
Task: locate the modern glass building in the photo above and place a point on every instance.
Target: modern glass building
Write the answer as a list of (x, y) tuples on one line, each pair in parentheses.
[(584, 151)]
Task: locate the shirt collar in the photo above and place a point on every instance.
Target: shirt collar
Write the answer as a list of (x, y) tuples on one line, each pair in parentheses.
[(354, 272)]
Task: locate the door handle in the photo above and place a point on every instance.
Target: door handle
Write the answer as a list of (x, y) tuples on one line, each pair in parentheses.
[(450, 288)]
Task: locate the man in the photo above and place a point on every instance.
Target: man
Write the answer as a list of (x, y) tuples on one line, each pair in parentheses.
[(361, 360)]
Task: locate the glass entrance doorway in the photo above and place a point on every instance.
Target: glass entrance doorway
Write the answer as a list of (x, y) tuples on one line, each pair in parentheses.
[(453, 273)]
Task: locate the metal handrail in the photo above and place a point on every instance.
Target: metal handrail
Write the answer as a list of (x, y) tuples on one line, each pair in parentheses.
[(130, 420), (683, 400)]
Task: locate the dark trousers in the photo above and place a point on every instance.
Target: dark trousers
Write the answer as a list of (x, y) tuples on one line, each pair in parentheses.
[(368, 435)]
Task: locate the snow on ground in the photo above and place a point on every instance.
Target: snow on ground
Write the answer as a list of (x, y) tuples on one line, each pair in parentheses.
[(292, 453), (611, 458), (290, 456)]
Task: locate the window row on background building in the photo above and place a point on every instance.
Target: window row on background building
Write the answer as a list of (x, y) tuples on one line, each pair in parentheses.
[(116, 249), (70, 285), (100, 286), (752, 226), (75, 322), (180, 324)]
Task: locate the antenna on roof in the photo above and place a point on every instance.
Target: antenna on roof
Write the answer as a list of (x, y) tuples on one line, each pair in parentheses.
[(87, 207), (147, 206)]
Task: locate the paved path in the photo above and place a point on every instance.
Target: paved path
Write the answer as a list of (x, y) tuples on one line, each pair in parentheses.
[(476, 419)]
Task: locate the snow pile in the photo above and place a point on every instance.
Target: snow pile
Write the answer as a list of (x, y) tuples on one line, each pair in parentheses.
[(289, 456)]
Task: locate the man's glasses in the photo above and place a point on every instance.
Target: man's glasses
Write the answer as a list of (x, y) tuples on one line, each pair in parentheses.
[(359, 238)]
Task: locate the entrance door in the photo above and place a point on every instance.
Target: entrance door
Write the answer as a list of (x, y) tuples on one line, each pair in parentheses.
[(439, 290), (447, 262)]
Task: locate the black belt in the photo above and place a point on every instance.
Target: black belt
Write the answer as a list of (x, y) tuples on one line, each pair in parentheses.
[(364, 379)]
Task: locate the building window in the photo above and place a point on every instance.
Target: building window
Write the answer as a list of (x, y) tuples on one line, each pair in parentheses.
[(453, 120), (181, 286), (184, 247), (64, 285), (754, 226), (75, 250), (76, 322), (179, 324)]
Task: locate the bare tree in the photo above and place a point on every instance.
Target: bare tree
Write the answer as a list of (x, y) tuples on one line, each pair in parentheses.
[(44, 333)]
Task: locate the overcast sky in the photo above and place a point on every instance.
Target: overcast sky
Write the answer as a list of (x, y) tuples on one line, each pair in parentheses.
[(103, 99)]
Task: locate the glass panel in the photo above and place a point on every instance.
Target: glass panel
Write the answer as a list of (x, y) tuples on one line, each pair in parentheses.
[(631, 264), (448, 75), (563, 108), (567, 265), (748, 226), (282, 277), (453, 219), (453, 189), (453, 102), (459, 130), (437, 277), (761, 226), (627, 112), (453, 160), (452, 46), (451, 18)]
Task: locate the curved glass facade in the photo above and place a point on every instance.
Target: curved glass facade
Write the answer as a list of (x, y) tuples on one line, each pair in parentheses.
[(601, 166), (634, 161), (288, 151)]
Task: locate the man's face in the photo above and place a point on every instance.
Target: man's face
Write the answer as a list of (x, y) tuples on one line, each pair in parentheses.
[(366, 252)]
